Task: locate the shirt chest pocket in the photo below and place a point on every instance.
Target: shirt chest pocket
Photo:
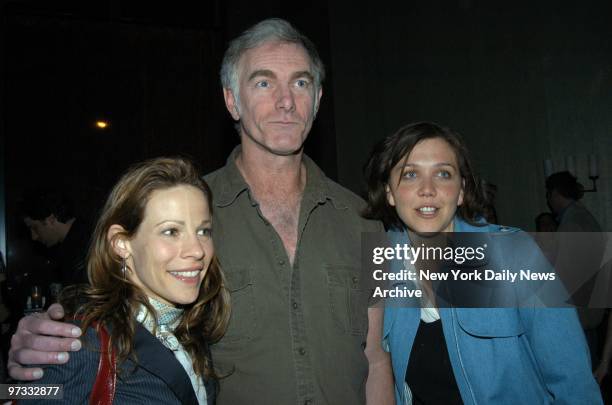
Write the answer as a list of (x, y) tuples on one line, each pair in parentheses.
[(243, 318), (347, 301)]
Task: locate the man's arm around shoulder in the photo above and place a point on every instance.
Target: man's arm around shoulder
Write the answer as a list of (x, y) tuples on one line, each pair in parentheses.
[(41, 340)]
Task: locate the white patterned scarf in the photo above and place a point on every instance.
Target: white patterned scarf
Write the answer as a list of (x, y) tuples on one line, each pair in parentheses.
[(168, 318)]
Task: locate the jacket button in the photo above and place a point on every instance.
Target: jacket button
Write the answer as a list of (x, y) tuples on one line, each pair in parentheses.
[(302, 351)]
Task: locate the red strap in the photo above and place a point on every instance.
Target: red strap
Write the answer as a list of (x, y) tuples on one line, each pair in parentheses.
[(103, 390)]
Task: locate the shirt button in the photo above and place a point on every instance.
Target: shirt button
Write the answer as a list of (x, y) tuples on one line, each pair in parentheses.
[(294, 305), (302, 351)]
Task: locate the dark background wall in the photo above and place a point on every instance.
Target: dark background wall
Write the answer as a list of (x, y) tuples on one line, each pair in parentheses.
[(151, 73), (522, 81)]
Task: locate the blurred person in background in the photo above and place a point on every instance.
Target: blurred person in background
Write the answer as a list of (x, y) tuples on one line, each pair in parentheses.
[(51, 219), (563, 195)]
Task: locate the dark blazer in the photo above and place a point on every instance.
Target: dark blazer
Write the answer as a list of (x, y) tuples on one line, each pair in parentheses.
[(157, 379)]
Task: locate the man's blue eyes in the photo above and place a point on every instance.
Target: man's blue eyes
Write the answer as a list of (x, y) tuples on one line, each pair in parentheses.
[(298, 83)]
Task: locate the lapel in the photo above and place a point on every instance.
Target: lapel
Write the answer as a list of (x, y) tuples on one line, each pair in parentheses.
[(160, 361)]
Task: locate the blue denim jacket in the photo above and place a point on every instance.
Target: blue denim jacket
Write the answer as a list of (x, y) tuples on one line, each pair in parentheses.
[(525, 355)]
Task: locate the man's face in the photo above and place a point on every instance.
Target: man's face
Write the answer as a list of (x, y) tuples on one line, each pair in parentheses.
[(44, 231), (278, 99)]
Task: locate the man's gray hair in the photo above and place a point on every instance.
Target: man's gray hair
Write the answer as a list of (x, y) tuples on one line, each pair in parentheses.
[(270, 30)]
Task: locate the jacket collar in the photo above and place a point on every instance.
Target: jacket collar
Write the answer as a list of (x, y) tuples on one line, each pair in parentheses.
[(317, 189), (459, 226), (160, 361), (462, 226)]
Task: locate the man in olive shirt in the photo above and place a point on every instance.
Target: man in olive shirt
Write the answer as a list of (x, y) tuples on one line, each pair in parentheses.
[(287, 236), (298, 323), (288, 239)]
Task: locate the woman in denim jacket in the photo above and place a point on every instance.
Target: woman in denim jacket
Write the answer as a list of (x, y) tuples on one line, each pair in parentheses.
[(421, 183)]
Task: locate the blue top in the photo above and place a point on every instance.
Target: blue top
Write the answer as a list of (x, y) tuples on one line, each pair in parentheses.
[(526, 355)]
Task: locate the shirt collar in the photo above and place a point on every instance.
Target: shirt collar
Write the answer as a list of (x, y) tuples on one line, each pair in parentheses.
[(233, 182), (317, 188)]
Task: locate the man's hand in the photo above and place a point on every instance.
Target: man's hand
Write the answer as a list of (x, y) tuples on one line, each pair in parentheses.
[(41, 340)]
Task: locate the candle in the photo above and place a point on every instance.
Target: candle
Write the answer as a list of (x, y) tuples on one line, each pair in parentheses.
[(593, 166)]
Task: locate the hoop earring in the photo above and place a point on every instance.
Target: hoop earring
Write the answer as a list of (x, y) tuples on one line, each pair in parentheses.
[(124, 268)]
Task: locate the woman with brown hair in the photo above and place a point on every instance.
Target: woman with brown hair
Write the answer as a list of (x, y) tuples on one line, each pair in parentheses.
[(156, 299), (421, 185)]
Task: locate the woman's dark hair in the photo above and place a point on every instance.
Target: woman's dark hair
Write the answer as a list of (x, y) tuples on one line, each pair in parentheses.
[(565, 184), (388, 152)]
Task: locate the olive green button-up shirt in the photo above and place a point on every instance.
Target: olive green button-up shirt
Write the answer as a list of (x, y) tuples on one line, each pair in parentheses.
[(297, 333)]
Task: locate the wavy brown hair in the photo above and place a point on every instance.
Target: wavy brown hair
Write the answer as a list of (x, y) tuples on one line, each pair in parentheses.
[(113, 300), (388, 152)]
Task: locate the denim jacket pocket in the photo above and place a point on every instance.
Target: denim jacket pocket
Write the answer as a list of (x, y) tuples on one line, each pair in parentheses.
[(490, 322), (348, 302), (243, 318)]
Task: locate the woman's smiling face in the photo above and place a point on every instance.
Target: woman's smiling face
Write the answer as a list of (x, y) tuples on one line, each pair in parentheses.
[(426, 187), (172, 249)]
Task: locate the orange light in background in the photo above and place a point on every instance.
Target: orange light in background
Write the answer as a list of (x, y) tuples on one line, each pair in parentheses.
[(102, 124)]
